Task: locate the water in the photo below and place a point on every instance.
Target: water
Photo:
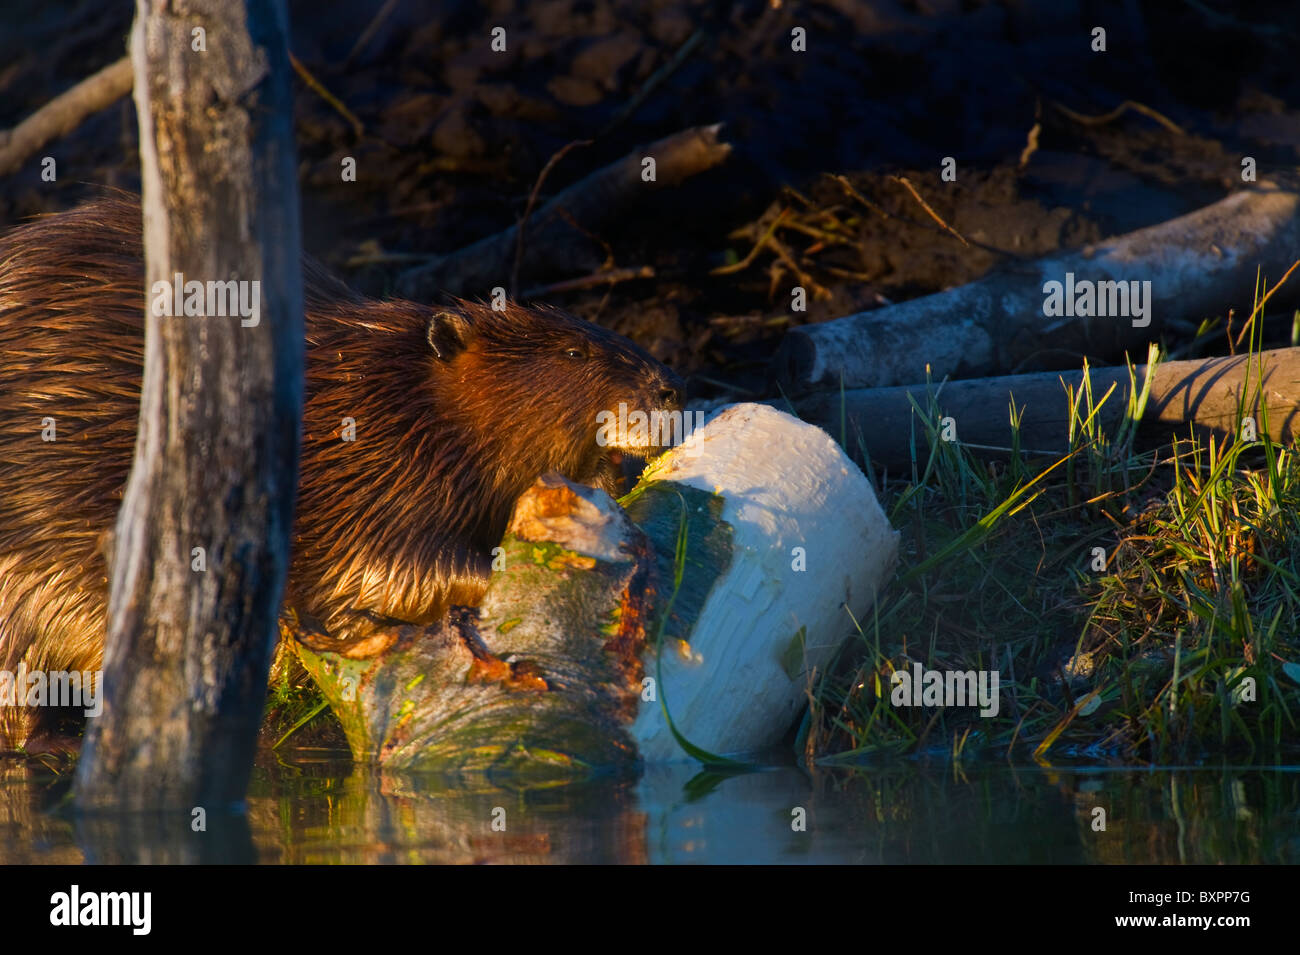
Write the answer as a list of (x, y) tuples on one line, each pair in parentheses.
[(313, 807)]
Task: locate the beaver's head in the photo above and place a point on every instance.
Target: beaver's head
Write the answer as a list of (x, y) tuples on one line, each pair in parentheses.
[(546, 391)]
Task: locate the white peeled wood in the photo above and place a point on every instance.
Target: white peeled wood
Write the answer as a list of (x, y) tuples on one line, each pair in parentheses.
[(785, 484)]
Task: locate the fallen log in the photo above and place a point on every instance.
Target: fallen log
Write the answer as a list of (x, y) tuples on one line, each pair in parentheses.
[(598, 626), (554, 240), (1208, 397), (1196, 265)]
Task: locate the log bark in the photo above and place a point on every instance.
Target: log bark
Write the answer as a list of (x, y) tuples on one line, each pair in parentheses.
[(784, 546), (202, 540), (552, 244), (1199, 264), (1208, 397)]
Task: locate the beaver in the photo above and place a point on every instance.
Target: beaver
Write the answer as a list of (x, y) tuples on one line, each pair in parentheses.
[(452, 413)]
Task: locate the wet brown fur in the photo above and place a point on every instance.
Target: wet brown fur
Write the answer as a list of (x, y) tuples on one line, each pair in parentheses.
[(457, 410)]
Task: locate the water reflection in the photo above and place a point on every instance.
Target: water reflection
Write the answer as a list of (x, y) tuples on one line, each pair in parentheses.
[(317, 808)]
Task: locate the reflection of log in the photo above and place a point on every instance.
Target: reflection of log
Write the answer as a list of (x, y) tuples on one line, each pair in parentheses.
[(63, 113), (1203, 394), (782, 533), (551, 242), (1198, 265)]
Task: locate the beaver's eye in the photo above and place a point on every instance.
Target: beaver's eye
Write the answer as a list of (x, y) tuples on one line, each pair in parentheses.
[(576, 353)]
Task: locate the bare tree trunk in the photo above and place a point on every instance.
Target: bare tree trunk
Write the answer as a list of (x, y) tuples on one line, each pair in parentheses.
[(202, 544)]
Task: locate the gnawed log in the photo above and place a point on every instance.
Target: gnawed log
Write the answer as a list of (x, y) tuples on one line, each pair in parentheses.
[(553, 241), (809, 542), (1197, 265), (1209, 397), (775, 532), (433, 701)]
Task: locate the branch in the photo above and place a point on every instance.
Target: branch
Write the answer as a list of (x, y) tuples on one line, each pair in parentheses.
[(63, 113)]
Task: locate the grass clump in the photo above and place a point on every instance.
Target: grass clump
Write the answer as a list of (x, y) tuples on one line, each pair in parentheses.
[(295, 707), (1136, 605)]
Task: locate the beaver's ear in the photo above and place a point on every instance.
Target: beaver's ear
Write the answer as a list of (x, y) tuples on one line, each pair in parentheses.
[(449, 332)]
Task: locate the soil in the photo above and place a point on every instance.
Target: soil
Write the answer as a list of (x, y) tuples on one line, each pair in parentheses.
[(454, 136)]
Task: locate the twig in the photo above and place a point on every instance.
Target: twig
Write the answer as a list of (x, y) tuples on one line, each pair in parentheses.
[(656, 78), (357, 128), (820, 234), (1031, 144), (1259, 309), (848, 187), (566, 216), (610, 277), (853, 276), (371, 29), (805, 279), (753, 253), (807, 203), (532, 200), (63, 113), (1031, 141), (727, 386), (918, 224), (902, 180), (1218, 19), (370, 254), (592, 201), (1119, 111)]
